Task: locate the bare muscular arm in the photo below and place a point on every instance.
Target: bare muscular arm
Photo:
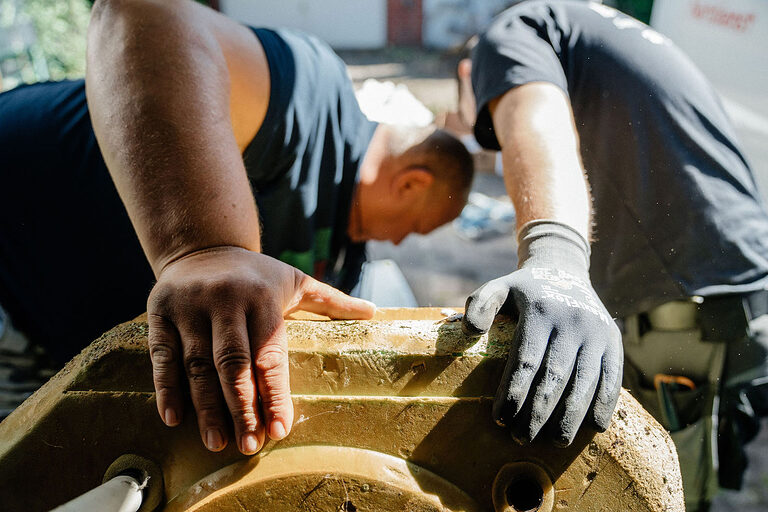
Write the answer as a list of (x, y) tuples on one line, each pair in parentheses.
[(540, 151), (176, 92)]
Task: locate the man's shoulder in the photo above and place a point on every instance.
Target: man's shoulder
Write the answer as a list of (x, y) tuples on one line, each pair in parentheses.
[(532, 11), (302, 66), (555, 15), (287, 43)]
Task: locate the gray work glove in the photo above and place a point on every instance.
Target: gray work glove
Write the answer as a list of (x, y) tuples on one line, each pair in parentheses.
[(566, 358)]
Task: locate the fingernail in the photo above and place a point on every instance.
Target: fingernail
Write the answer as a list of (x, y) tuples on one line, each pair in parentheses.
[(249, 444), (214, 440), (171, 418), (276, 431)]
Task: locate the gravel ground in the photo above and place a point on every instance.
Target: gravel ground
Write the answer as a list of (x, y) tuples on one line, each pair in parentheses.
[(443, 268)]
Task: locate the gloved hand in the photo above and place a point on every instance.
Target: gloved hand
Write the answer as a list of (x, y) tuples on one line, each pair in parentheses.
[(566, 359)]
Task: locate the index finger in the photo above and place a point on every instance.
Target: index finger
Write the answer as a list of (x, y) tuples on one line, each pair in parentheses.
[(526, 355), (320, 298)]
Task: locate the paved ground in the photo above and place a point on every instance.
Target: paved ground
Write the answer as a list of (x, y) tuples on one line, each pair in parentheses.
[(443, 268)]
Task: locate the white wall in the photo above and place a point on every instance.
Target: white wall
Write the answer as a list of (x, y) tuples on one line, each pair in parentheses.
[(728, 40), (356, 24)]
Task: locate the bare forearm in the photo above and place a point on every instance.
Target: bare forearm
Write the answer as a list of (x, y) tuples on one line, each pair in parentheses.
[(542, 168), (176, 92), (159, 95)]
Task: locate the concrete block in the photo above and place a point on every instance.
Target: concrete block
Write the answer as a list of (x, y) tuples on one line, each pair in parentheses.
[(391, 414)]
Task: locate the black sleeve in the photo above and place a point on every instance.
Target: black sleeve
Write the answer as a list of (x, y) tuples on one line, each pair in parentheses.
[(519, 47)]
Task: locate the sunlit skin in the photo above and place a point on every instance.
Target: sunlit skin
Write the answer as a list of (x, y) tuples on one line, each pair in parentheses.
[(539, 143), (175, 92), (427, 212)]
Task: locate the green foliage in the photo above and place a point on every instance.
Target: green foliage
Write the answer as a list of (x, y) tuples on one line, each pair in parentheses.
[(42, 40), (61, 27), (640, 9)]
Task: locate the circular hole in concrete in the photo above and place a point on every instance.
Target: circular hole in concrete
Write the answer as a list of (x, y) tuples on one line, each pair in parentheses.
[(524, 494), (523, 486)]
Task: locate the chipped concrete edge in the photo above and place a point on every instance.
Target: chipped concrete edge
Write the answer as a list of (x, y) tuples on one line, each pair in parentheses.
[(653, 466), (125, 336)]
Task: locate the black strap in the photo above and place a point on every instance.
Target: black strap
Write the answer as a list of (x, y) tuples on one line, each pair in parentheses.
[(727, 317), (756, 304)]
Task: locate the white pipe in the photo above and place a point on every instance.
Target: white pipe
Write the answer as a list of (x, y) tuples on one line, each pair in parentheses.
[(121, 494)]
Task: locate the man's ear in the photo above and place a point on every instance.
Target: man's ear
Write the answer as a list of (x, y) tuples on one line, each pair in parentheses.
[(412, 181), (464, 69)]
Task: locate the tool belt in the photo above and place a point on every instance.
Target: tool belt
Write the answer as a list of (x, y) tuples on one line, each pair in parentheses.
[(720, 318), (677, 345), (675, 360)]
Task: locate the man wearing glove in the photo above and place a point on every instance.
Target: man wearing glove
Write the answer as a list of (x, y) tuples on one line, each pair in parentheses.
[(592, 108), (199, 121), (564, 339)]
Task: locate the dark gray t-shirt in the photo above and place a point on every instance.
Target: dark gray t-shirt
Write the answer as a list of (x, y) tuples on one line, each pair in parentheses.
[(303, 163), (676, 208)]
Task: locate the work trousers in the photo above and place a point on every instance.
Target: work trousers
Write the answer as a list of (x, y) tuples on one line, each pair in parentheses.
[(24, 367), (708, 393)]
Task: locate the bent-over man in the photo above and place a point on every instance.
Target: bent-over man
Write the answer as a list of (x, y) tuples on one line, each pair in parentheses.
[(201, 123), (631, 192)]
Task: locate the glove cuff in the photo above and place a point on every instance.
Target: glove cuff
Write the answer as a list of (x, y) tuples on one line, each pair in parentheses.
[(548, 243)]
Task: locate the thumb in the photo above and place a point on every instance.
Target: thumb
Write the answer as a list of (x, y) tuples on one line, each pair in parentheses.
[(317, 297), (483, 306)]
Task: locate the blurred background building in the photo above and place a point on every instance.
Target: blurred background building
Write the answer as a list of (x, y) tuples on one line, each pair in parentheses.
[(42, 40), (413, 43), (45, 39)]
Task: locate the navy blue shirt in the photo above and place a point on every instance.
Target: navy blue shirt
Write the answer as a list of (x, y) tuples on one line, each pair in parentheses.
[(677, 212), (71, 265), (303, 163)]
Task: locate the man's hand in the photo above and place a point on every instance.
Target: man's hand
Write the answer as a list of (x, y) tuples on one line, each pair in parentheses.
[(216, 318), (566, 359)]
